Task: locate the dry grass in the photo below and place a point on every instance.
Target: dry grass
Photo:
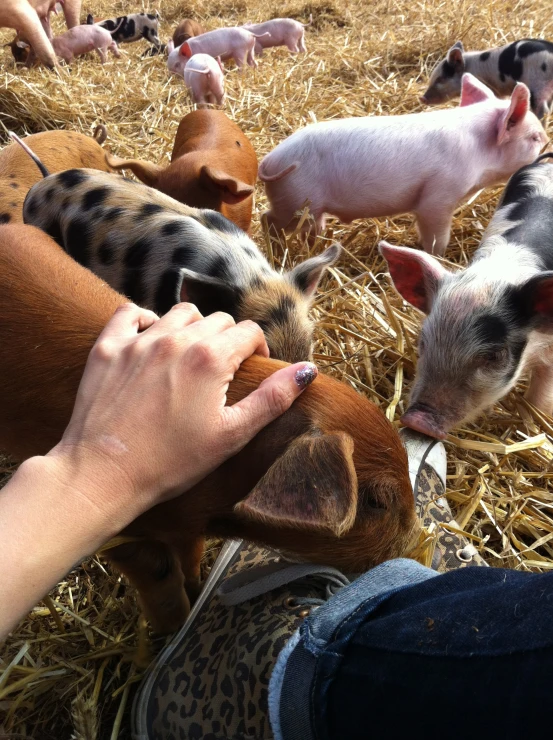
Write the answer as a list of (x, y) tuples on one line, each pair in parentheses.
[(73, 675)]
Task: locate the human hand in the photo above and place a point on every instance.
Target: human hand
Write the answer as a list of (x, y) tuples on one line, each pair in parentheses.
[(150, 419)]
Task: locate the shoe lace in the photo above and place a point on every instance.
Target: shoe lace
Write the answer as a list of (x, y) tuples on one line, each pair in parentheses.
[(261, 579)]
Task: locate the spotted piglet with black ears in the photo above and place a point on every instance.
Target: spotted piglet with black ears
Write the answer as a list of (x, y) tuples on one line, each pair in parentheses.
[(529, 61), (158, 252), (491, 322)]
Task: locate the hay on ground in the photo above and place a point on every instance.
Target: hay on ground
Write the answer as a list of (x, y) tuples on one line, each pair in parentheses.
[(69, 669)]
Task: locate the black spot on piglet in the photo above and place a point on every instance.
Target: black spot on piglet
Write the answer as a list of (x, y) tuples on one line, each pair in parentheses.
[(77, 241), (149, 209), (71, 178), (4, 218), (171, 228), (94, 198), (491, 329), (484, 56)]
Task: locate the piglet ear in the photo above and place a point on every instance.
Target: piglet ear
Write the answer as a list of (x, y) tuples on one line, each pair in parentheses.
[(185, 50), (455, 55), (230, 189), (534, 300), (415, 274), (312, 486), (515, 113), (474, 91), (208, 294), (306, 277)]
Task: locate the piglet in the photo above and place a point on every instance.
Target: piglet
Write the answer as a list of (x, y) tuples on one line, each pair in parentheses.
[(83, 39), (281, 32), (529, 61), (328, 481), (227, 43), (186, 29), (213, 165), (203, 76), (384, 165), (58, 150), (491, 322)]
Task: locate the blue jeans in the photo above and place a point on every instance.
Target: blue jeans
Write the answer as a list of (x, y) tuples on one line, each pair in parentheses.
[(404, 652)]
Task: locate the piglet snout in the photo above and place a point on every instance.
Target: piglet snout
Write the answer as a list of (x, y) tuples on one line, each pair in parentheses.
[(425, 419), (423, 99)]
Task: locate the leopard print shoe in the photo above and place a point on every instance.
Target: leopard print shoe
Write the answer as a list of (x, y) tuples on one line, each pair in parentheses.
[(448, 548), (211, 682)]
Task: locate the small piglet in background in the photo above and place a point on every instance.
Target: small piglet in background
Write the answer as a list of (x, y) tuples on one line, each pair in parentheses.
[(83, 39), (186, 30), (159, 252), (427, 163), (338, 465), (58, 150), (213, 165), (128, 28), (281, 32), (491, 322), (529, 61), (203, 76), (227, 43)]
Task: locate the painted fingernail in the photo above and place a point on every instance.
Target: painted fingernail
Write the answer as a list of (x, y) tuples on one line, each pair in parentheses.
[(306, 375)]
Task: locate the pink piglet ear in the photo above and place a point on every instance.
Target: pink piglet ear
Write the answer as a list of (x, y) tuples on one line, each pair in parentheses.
[(474, 91), (415, 274), (515, 113)]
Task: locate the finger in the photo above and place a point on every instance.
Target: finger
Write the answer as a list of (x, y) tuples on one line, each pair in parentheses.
[(215, 323), (238, 343), (180, 316), (274, 396), (127, 321)]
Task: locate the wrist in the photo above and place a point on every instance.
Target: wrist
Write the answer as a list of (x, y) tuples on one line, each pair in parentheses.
[(94, 495)]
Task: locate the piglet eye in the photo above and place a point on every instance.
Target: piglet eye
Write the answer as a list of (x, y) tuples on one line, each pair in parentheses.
[(493, 356)]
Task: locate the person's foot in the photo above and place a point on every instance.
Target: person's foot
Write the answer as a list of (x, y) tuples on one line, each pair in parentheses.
[(212, 680), (446, 548)]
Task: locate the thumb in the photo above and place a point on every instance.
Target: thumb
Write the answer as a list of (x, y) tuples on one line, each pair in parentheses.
[(274, 396)]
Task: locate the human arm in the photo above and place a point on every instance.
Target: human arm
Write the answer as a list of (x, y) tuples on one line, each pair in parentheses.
[(149, 422)]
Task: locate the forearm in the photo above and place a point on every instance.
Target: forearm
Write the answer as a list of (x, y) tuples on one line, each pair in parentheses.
[(47, 526)]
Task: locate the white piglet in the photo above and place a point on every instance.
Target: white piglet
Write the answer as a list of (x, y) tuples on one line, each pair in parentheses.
[(83, 39), (426, 163), (204, 77), (279, 32), (227, 43)]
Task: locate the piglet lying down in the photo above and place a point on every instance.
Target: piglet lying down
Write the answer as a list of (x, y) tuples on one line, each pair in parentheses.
[(427, 163), (83, 39)]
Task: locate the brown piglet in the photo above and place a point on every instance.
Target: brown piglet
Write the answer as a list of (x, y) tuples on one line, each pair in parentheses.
[(186, 30), (58, 151), (213, 165), (326, 482)]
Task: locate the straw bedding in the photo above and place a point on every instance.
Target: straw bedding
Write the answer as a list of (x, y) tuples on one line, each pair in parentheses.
[(70, 668)]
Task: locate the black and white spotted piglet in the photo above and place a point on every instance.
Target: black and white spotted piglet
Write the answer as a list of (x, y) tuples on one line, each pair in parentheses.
[(157, 252), (133, 27), (529, 61), (491, 322)]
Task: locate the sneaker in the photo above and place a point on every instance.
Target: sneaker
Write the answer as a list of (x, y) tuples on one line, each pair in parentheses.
[(212, 680), (444, 547)]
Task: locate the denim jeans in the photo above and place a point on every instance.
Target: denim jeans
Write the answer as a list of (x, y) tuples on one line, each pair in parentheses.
[(404, 652)]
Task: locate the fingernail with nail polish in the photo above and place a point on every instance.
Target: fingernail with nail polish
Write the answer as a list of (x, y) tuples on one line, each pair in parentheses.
[(306, 375)]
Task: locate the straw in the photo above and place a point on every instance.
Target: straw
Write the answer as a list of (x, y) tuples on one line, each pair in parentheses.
[(363, 59)]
